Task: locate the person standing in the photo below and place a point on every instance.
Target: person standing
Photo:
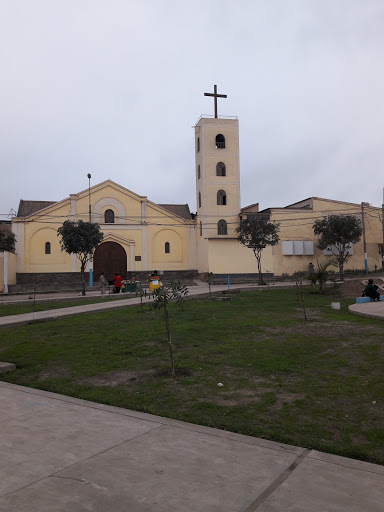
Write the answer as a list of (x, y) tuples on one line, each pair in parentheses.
[(117, 283), (103, 283)]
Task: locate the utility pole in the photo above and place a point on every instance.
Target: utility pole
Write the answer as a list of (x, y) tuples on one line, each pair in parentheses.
[(90, 220), (364, 239)]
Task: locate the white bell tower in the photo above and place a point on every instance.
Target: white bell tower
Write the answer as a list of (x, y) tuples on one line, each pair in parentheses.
[(217, 183)]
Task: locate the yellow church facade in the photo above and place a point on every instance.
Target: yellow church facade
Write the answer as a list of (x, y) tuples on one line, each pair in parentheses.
[(141, 236)]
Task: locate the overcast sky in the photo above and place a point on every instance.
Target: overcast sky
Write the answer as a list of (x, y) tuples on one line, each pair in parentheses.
[(114, 87)]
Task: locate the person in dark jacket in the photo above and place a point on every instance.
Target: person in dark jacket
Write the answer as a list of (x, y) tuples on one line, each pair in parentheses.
[(372, 291)]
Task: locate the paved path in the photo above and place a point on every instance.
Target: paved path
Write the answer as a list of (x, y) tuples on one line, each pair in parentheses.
[(368, 309), (62, 454)]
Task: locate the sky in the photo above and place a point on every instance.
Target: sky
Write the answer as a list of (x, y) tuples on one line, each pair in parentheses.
[(114, 88)]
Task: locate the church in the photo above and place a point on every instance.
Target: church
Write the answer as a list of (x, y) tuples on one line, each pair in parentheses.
[(141, 236)]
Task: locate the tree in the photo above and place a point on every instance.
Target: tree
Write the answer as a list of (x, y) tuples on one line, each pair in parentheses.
[(80, 238), (208, 279), (7, 241), (162, 297), (140, 292), (299, 278), (257, 233), (337, 233)]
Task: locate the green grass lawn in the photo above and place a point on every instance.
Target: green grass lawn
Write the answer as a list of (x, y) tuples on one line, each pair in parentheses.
[(18, 309), (317, 384)]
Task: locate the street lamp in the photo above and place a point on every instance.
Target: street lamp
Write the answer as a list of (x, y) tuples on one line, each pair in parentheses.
[(90, 220)]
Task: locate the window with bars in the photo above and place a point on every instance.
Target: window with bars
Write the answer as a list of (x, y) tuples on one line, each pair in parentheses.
[(220, 141)]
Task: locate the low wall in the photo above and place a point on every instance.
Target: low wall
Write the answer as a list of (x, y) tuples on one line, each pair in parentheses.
[(25, 282), (184, 276), (48, 281)]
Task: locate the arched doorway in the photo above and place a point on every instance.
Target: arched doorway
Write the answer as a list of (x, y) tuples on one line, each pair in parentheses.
[(109, 258)]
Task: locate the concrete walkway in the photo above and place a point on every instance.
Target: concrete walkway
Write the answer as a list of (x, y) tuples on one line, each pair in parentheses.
[(62, 454), (368, 309)]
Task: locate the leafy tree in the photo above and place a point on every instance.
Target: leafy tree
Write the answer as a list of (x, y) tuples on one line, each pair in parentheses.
[(80, 238), (7, 241), (162, 297), (257, 233), (337, 233)]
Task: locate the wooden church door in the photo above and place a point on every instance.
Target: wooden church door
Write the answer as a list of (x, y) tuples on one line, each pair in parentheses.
[(110, 257)]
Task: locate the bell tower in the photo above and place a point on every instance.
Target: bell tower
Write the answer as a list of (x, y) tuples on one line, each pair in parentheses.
[(217, 181)]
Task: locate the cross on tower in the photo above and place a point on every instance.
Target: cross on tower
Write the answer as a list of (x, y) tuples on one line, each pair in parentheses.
[(215, 95)]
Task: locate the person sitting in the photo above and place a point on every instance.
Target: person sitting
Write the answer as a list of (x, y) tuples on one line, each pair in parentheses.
[(372, 291)]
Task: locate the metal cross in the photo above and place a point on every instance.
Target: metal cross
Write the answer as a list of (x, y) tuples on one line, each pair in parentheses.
[(215, 95)]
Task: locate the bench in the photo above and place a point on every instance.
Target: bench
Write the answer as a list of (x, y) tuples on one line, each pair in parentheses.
[(359, 300)]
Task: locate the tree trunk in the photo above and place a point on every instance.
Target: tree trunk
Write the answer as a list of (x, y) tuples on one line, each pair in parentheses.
[(169, 341), (303, 305), (82, 278), (259, 268)]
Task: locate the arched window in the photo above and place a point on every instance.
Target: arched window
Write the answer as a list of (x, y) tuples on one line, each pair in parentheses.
[(109, 217), (198, 144), (201, 229), (198, 172), (222, 227), (47, 248), (221, 198), (220, 141), (220, 169), (167, 248), (199, 200)]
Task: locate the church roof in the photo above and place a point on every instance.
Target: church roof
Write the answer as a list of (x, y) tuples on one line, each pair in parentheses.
[(27, 208), (182, 210), (5, 225)]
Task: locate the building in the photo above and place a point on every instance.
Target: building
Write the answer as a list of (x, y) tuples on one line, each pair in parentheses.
[(297, 246), (141, 236)]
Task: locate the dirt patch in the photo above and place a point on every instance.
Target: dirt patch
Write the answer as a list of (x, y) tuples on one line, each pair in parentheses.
[(112, 379), (57, 373), (151, 343), (235, 398), (343, 330), (286, 398), (180, 372), (353, 288)]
